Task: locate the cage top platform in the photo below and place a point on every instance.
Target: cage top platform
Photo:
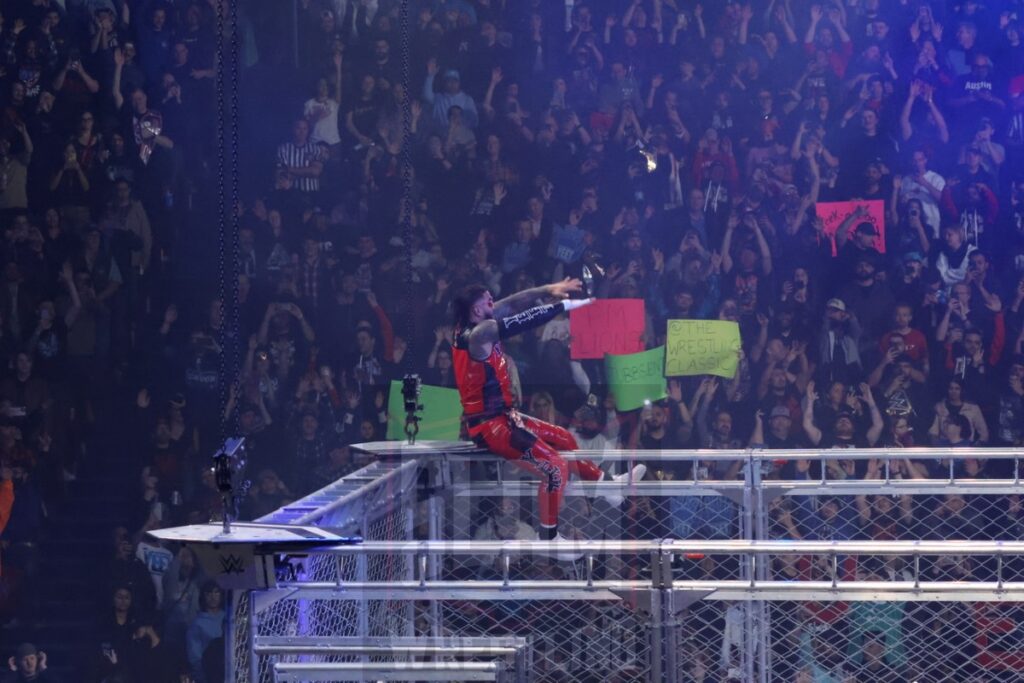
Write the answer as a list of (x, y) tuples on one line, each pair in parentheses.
[(253, 533)]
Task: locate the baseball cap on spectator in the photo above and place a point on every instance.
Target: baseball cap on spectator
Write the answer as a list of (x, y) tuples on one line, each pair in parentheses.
[(913, 256), (26, 650), (847, 414), (837, 304), (866, 228), (451, 75), (780, 411)]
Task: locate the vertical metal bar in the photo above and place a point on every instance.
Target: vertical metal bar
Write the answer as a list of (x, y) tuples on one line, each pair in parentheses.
[(670, 638), (757, 638), (435, 526), (362, 575), (657, 637), (750, 642), (764, 666), (254, 631), (522, 664), (753, 499), (302, 618), (408, 503)]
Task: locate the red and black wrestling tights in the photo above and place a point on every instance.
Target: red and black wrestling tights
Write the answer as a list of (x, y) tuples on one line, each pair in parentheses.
[(533, 445)]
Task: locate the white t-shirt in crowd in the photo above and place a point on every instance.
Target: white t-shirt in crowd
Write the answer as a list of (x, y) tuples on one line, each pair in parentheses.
[(323, 116), (911, 189)]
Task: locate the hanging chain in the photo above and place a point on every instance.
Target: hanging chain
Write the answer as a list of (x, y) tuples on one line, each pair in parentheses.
[(406, 204), (222, 371), (411, 382), (235, 338)]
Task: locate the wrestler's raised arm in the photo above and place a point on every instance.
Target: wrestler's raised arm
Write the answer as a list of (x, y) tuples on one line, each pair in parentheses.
[(516, 302)]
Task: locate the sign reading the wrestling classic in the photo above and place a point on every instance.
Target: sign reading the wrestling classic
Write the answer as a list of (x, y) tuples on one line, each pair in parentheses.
[(702, 347)]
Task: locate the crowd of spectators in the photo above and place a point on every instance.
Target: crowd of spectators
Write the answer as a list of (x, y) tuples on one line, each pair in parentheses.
[(680, 147)]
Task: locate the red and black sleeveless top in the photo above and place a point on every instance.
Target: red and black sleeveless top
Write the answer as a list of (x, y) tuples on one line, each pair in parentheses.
[(485, 387)]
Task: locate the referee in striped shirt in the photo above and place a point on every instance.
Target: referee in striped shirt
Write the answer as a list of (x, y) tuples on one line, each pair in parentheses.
[(302, 160)]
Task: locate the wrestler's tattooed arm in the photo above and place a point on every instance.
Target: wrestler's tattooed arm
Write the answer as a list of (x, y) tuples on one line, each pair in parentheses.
[(515, 303), (487, 332)]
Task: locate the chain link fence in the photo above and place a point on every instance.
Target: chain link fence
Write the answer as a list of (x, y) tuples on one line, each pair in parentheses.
[(670, 617), (390, 517)]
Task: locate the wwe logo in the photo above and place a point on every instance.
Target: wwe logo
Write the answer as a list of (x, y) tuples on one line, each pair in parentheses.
[(231, 564)]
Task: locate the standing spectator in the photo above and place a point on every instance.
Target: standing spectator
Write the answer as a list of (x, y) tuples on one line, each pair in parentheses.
[(321, 111), (451, 96), (14, 171), (301, 160)]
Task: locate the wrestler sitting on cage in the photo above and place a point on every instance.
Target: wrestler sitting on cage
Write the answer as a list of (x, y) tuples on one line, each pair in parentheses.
[(485, 389)]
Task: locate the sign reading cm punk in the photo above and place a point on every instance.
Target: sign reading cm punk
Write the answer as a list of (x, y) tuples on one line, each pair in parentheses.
[(702, 347)]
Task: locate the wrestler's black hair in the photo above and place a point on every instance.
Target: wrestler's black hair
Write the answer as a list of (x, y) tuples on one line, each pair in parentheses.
[(462, 305)]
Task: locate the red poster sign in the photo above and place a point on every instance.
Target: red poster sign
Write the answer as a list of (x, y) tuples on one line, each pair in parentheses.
[(607, 326), (832, 215)]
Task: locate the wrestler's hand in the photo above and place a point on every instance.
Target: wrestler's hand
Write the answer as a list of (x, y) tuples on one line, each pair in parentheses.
[(570, 304), (562, 290)]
